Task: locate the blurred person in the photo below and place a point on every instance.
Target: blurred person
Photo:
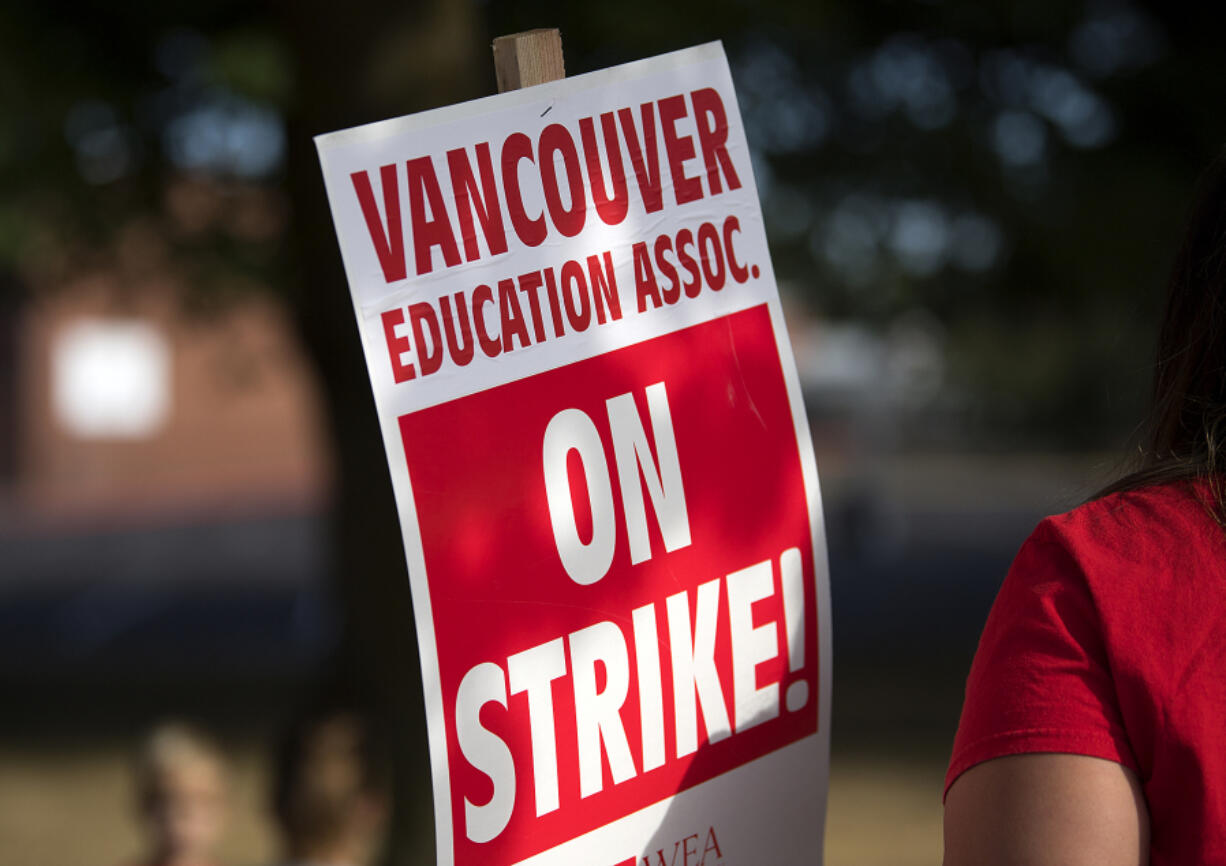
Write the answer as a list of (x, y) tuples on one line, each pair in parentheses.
[(330, 790), (181, 796), (1093, 728)]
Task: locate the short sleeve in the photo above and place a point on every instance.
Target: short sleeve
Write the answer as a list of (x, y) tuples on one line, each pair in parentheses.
[(1041, 681)]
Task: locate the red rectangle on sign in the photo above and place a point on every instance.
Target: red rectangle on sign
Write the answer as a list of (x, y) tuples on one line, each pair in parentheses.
[(644, 624)]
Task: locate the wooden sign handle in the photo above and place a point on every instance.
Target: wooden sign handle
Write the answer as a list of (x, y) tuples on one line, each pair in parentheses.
[(525, 59)]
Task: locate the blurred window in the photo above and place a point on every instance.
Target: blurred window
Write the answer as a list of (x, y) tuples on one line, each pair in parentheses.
[(110, 378)]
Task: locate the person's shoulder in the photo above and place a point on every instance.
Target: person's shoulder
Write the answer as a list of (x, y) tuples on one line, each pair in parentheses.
[(1138, 517), (1150, 534)]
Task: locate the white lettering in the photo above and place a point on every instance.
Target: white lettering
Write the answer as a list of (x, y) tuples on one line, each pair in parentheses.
[(533, 671), (693, 656), (651, 692), (597, 714), (485, 750), (751, 646), (633, 456), (572, 430)]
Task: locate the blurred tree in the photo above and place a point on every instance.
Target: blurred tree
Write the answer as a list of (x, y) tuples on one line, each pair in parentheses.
[(1011, 174), (191, 129), (353, 63)]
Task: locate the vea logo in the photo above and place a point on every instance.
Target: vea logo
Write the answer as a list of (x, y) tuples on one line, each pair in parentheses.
[(697, 849)]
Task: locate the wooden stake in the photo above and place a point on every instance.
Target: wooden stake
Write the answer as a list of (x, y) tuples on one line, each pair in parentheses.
[(525, 59)]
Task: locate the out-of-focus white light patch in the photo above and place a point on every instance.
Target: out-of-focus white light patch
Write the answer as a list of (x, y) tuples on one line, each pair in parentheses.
[(1116, 37), (229, 135), (1020, 138), (785, 113), (1082, 115), (110, 378), (920, 237), (976, 242), (851, 237), (105, 148)]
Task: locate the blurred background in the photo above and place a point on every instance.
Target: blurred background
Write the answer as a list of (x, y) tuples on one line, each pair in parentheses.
[(971, 206)]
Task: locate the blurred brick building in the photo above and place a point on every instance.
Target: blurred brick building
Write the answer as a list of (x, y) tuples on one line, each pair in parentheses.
[(132, 406), (162, 481)]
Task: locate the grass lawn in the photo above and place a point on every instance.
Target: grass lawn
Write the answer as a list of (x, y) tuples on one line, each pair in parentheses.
[(61, 806)]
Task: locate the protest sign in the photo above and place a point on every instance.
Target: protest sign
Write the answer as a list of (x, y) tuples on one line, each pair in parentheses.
[(603, 470)]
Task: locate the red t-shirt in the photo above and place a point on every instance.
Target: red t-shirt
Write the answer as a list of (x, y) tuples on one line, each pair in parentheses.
[(1108, 638)]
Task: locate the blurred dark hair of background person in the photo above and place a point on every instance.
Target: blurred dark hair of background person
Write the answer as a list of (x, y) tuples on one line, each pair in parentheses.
[(1185, 430), (330, 793)]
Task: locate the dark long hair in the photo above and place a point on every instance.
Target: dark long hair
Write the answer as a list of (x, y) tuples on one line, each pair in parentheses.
[(1185, 432)]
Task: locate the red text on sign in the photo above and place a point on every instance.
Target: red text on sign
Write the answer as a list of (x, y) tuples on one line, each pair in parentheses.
[(487, 189)]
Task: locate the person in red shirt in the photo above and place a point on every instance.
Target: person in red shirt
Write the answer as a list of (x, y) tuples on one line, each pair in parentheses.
[(1094, 726)]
